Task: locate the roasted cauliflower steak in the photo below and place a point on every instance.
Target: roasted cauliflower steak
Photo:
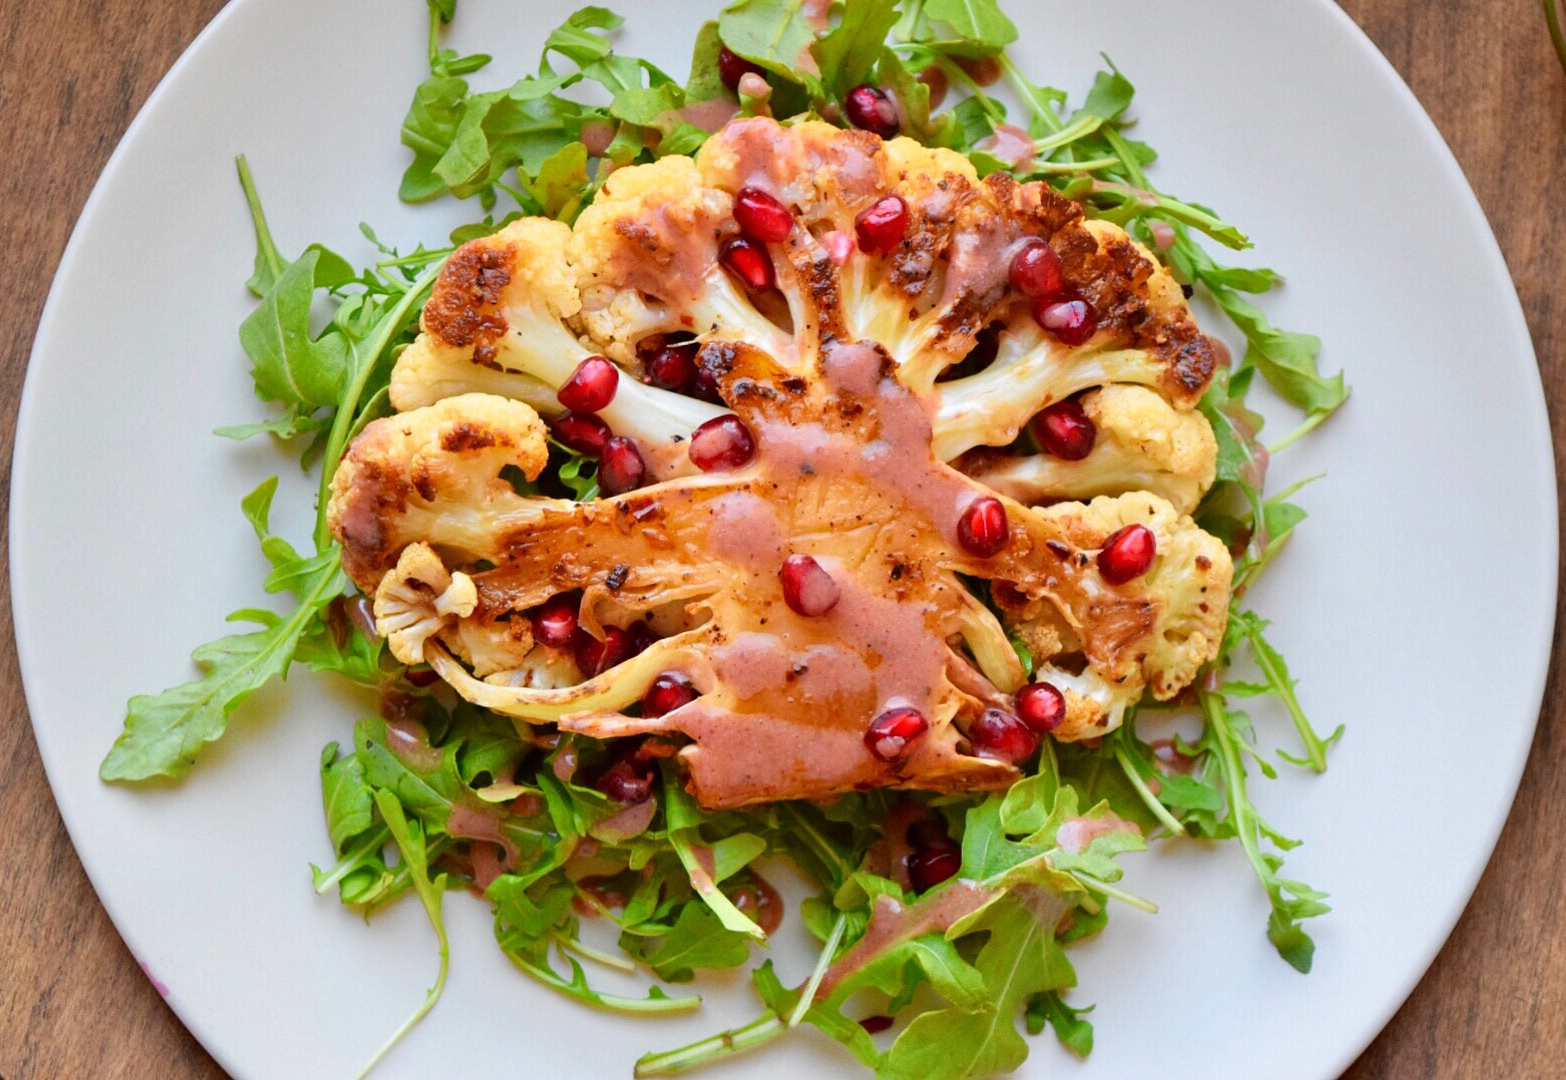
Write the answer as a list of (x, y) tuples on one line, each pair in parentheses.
[(873, 434)]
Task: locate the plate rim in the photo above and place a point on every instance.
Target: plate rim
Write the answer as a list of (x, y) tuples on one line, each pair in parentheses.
[(1419, 121)]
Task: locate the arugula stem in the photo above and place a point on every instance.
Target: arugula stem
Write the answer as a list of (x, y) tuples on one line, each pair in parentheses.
[(429, 1003), (1130, 899), (1070, 133), (1311, 423), (587, 952), (1240, 817), (824, 850), (275, 262), (550, 978), (1065, 168), (1027, 92), (350, 862), (808, 994), (342, 422), (1266, 660), (758, 1032), (1157, 808)]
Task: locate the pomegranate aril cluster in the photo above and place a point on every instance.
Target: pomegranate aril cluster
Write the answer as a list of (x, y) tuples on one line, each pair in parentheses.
[(1036, 273)]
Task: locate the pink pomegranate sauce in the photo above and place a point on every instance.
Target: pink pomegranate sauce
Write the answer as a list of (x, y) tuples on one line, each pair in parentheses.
[(844, 488)]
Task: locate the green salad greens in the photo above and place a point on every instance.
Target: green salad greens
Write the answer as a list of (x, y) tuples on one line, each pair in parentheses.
[(971, 958)]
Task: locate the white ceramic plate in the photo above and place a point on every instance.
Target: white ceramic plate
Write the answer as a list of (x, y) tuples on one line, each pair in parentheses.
[(1435, 536)]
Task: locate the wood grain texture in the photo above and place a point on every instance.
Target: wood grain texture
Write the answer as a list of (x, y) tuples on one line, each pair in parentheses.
[(73, 1003)]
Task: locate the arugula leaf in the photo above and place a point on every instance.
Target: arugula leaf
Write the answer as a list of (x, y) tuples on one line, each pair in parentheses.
[(290, 425), (1247, 625), (706, 80), (410, 841), (1020, 959), (1073, 1031), (981, 26), (1292, 901), (698, 940), (684, 821), (350, 807), (164, 732), (847, 55), (269, 264), (776, 34), (289, 364)]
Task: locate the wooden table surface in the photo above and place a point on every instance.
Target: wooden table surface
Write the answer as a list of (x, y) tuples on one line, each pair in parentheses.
[(72, 1001)]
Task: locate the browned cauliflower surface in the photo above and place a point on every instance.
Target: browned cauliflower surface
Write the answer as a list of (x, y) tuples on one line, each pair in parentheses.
[(841, 375)]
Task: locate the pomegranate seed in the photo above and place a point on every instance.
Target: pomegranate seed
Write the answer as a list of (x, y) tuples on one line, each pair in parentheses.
[(983, 529), (928, 867), (891, 732), (1035, 270), (761, 216), (874, 1025), (1041, 706), (724, 442), (808, 589), (748, 261), (931, 832), (882, 226), (705, 385), (869, 109), (625, 782), (555, 623), (424, 677), (1127, 554), (582, 432), (620, 466), (594, 656), (642, 635), (1072, 321), (1065, 430), (733, 67), (668, 692), (591, 386), (673, 366), (999, 735), (839, 246)]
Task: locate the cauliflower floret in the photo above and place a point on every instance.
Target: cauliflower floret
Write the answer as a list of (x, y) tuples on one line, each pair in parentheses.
[(418, 599), (835, 375), (646, 257), (1143, 445), (1180, 625), (1144, 336), (500, 305), (496, 323), (433, 475)]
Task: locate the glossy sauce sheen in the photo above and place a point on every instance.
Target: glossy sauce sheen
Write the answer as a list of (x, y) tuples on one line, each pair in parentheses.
[(844, 472)]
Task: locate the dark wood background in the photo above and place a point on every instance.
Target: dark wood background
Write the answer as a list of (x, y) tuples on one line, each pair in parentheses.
[(72, 1001)]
